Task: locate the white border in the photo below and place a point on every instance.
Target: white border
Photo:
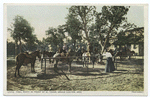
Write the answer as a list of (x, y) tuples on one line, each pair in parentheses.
[(95, 92)]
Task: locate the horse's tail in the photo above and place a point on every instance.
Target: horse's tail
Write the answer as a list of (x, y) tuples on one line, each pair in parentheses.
[(16, 60)]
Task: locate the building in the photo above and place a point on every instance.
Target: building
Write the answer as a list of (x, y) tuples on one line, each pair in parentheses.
[(132, 39)]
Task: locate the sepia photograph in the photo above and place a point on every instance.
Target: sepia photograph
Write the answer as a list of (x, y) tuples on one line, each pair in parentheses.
[(75, 49)]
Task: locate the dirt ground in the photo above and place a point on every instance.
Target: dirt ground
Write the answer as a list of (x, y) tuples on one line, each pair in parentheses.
[(129, 76)]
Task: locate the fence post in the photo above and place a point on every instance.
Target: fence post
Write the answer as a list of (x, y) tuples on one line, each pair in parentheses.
[(116, 64), (45, 65), (87, 65), (41, 63)]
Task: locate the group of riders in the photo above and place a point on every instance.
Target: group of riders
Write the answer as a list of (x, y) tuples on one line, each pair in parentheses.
[(80, 50)]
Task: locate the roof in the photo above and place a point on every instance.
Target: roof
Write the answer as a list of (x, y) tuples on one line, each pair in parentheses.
[(135, 29)]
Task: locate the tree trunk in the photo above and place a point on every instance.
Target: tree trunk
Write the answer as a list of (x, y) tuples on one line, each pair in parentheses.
[(110, 29), (20, 45), (103, 47), (74, 48), (16, 49), (88, 40)]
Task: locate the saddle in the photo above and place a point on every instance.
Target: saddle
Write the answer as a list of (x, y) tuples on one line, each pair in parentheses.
[(28, 55)]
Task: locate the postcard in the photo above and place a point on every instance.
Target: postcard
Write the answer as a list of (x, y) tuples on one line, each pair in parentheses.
[(75, 49)]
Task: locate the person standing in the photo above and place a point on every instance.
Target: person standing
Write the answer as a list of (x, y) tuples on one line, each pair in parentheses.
[(109, 63), (78, 50), (50, 48), (83, 50), (65, 47)]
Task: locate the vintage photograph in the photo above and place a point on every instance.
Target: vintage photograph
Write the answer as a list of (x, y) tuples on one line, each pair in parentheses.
[(75, 49)]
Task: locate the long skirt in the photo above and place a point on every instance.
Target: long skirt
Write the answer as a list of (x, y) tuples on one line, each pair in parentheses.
[(109, 65)]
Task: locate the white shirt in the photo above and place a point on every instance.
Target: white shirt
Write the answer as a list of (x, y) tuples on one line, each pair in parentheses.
[(107, 54)]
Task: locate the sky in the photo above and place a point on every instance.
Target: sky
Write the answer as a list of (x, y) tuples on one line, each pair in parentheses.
[(41, 17)]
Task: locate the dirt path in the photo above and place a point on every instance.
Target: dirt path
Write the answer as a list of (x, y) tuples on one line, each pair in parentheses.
[(128, 77)]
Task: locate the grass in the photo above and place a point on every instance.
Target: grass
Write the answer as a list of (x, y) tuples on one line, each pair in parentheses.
[(129, 76)]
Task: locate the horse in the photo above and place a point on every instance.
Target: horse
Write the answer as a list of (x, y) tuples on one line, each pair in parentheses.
[(22, 59), (65, 58), (127, 53), (131, 53), (89, 56), (79, 54), (49, 54)]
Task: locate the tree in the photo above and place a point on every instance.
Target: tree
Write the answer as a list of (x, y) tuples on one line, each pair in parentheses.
[(52, 36), (134, 36), (22, 31), (85, 14), (61, 34), (109, 21), (12, 46), (73, 26), (55, 35)]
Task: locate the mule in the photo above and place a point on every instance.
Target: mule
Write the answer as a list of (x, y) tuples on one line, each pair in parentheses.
[(79, 55), (128, 53), (22, 59), (49, 54), (65, 58), (86, 56)]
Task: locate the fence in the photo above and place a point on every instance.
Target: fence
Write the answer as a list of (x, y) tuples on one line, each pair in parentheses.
[(72, 57), (116, 61)]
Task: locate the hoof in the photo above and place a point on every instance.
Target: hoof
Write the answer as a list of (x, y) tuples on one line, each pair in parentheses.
[(33, 71), (55, 68), (69, 71), (19, 75)]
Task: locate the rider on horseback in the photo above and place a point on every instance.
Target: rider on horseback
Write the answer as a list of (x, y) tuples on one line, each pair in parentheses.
[(78, 50), (64, 50), (83, 50), (27, 54)]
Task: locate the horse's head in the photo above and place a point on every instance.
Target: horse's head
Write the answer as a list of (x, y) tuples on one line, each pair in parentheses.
[(38, 54), (132, 53)]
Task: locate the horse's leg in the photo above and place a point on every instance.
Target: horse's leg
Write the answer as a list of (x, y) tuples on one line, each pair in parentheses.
[(93, 61), (93, 64), (83, 61), (69, 68), (49, 60), (89, 59), (55, 65), (129, 56), (114, 58), (52, 60), (31, 67), (18, 69), (77, 59), (120, 58)]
